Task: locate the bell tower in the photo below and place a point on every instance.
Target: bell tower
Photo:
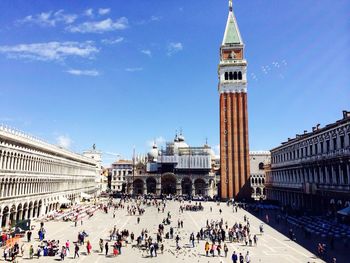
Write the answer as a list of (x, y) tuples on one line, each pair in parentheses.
[(234, 146)]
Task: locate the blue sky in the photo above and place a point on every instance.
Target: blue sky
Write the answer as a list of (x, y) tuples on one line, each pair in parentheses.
[(121, 73)]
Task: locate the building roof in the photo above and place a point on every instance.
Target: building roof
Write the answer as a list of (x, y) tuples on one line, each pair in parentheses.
[(123, 162), (315, 131), (232, 34)]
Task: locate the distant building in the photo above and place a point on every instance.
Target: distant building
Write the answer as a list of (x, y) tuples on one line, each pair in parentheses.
[(96, 155), (120, 169), (311, 171), (258, 161), (177, 170)]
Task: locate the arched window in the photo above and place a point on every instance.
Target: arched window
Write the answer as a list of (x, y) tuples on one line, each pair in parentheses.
[(231, 76), (235, 75), (261, 166), (226, 75), (239, 75)]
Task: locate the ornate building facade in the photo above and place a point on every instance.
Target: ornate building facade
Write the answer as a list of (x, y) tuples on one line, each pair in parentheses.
[(234, 147), (258, 162), (312, 170), (177, 170), (36, 177)]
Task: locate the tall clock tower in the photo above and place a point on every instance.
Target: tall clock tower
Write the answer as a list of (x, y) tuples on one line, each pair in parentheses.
[(234, 146)]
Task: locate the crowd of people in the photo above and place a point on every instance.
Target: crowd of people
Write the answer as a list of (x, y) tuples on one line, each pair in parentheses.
[(216, 235)]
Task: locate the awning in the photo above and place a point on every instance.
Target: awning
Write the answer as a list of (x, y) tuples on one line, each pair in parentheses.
[(64, 200), (345, 211), (85, 195)]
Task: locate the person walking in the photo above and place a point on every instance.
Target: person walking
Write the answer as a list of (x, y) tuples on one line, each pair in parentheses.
[(241, 258), (247, 257), (106, 248), (88, 247), (225, 250), (206, 248), (101, 245), (76, 250), (234, 257), (31, 252), (63, 253)]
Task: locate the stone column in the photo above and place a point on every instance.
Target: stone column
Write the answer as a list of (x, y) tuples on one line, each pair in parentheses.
[(341, 179), (333, 178), (328, 181), (178, 187), (321, 174)]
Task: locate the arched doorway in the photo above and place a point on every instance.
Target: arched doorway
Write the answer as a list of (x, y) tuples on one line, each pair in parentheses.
[(186, 186), (5, 215), (200, 187), (151, 185), (19, 212), (30, 210), (39, 207), (138, 187), (35, 208), (168, 184), (13, 216), (258, 191), (25, 209)]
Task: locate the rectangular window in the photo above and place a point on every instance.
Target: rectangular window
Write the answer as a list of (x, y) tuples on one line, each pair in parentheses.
[(316, 150), (327, 146), (310, 150), (334, 143), (341, 142), (322, 147)]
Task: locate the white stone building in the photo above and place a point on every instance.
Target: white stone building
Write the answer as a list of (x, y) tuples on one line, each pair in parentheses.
[(37, 177), (258, 161), (120, 169), (312, 170)]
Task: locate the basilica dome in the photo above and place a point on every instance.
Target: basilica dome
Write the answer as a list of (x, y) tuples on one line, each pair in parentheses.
[(153, 153)]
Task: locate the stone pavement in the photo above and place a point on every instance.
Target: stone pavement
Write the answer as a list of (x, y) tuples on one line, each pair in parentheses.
[(272, 246)]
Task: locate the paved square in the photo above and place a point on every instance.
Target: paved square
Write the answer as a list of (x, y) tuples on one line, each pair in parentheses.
[(272, 246)]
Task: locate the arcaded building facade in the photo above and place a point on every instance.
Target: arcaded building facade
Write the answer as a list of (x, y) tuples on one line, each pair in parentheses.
[(312, 170), (234, 146), (37, 177), (179, 169)]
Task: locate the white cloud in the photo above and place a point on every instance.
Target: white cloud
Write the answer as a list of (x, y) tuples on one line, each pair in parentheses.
[(49, 19), (100, 26), (78, 72), (112, 153), (159, 141), (174, 48), (155, 18), (147, 52), (89, 12), (112, 41), (133, 69), (50, 51), (104, 11), (64, 141)]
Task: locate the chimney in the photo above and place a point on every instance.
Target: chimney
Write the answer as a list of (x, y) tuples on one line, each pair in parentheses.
[(313, 129), (346, 114), (305, 131), (318, 126)]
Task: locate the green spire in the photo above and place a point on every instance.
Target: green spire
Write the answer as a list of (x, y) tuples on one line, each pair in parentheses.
[(232, 35)]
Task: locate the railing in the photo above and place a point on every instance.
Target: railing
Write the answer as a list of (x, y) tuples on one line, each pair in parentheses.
[(313, 158), (15, 132)]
